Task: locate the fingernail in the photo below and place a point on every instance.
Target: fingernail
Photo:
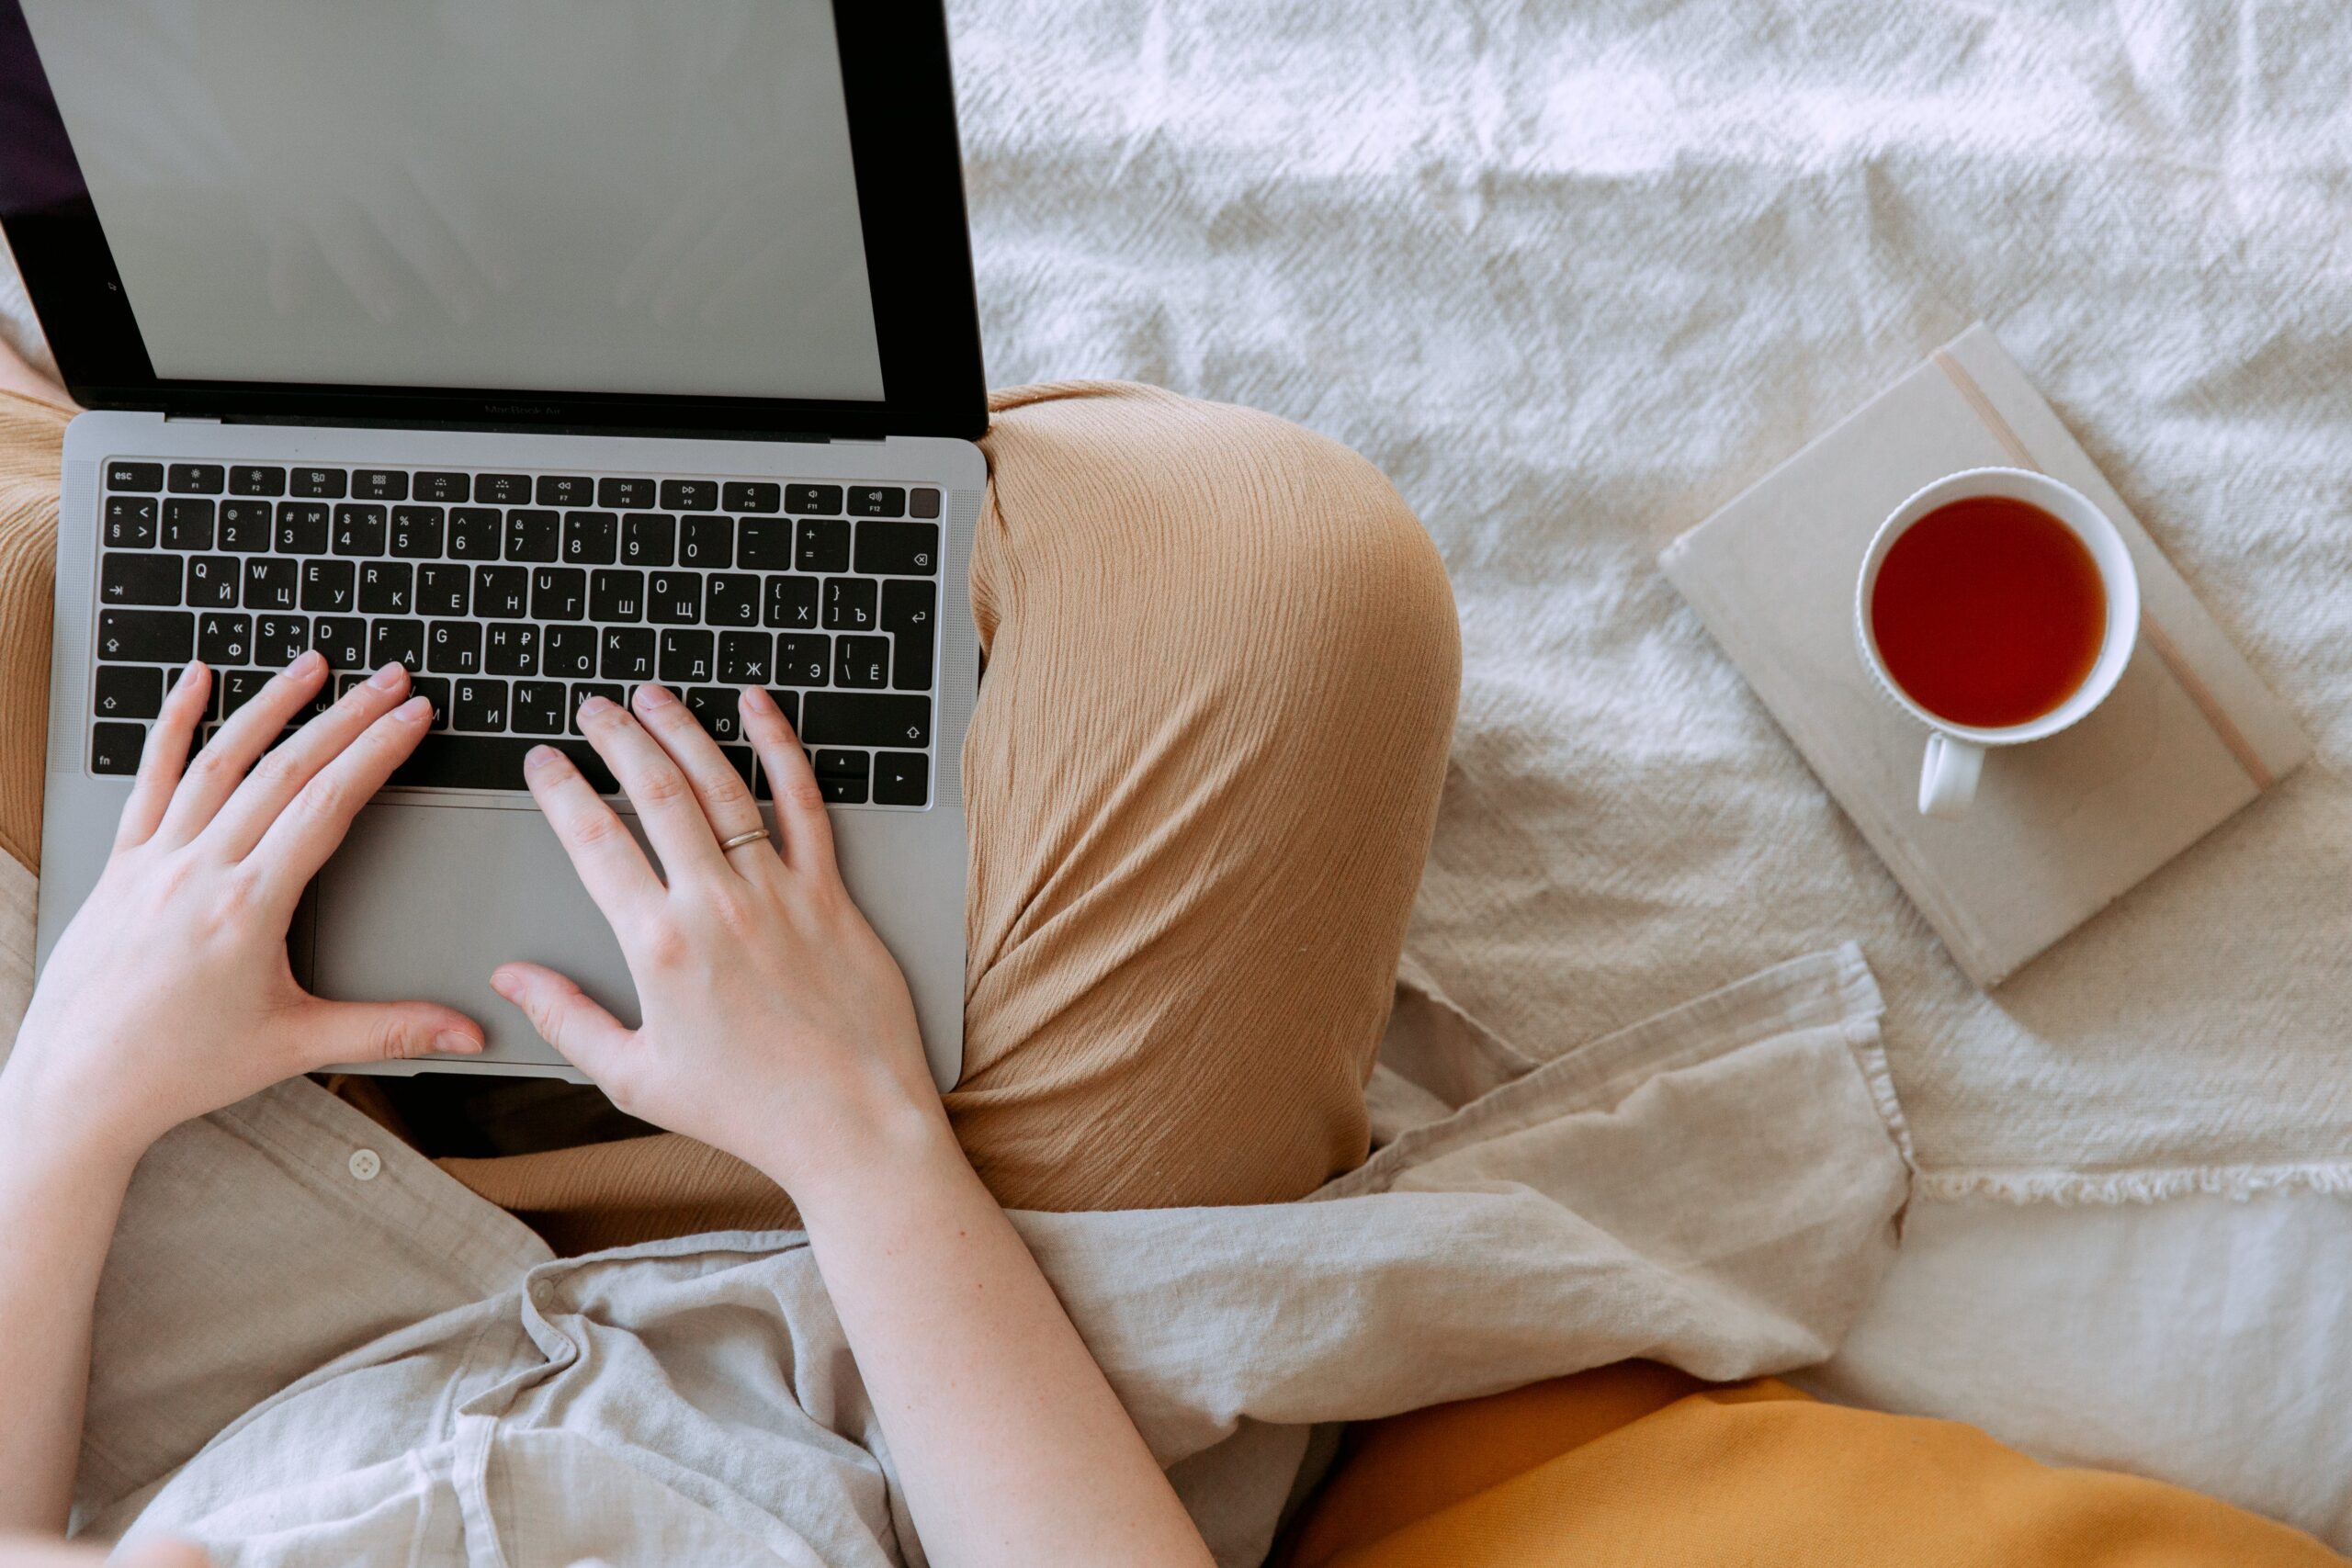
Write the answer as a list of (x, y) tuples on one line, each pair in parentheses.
[(456, 1043), (414, 709), (500, 981), (756, 698), (595, 706), (654, 696), (389, 677), (188, 673), (538, 757), (311, 660)]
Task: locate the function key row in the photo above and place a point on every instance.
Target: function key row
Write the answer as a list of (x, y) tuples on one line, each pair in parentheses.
[(742, 496), (876, 548)]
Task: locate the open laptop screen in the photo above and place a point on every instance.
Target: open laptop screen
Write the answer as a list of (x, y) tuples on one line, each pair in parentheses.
[(650, 196)]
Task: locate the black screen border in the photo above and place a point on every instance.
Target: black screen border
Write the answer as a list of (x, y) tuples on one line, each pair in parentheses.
[(898, 83)]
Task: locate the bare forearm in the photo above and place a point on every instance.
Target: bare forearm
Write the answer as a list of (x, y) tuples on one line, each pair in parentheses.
[(59, 1202), (1009, 1441)]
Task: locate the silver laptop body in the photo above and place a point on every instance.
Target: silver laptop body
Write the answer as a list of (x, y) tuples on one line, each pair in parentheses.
[(520, 550)]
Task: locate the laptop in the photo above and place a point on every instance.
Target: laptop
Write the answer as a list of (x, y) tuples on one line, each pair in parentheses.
[(547, 351)]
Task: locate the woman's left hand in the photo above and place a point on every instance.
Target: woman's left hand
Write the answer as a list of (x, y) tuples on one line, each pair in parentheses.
[(170, 994)]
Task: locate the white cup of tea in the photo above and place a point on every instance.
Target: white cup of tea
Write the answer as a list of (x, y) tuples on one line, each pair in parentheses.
[(1996, 606)]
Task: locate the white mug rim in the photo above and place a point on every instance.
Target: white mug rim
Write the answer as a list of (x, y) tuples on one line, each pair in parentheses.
[(2081, 516)]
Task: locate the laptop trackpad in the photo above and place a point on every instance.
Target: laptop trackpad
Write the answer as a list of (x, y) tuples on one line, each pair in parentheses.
[(424, 901)]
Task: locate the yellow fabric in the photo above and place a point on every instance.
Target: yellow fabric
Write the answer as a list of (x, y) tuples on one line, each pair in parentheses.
[(29, 434), (1639, 1465)]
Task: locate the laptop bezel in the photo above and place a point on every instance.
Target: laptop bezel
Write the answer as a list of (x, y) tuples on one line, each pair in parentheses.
[(898, 85)]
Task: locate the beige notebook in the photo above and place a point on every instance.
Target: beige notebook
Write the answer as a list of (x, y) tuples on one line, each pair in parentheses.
[(2061, 827)]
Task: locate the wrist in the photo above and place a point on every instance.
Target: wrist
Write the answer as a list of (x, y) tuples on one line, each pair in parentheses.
[(46, 1134), (833, 1165)]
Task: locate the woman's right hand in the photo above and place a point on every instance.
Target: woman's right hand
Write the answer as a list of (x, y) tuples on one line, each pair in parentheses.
[(776, 1025)]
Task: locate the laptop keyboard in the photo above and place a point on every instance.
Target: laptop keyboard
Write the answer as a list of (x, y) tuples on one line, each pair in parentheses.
[(513, 597)]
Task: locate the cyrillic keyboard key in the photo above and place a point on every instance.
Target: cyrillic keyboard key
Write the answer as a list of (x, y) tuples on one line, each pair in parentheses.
[(537, 707), (491, 761), (187, 524), (901, 778), (813, 500), (899, 550), (615, 594), (824, 547), (474, 533), (359, 528), (197, 479), (387, 588), (855, 718), (442, 588), (417, 531), (532, 535), (135, 476), (246, 525), (332, 586), (591, 538), (139, 580), (453, 648), (764, 544), (434, 688), (860, 661), (849, 603), (792, 603), (582, 690), (212, 581), (400, 642), (685, 656), (128, 691), (502, 592), (224, 639), (480, 704), (342, 640), (279, 640), (568, 651), (718, 709), (706, 542), (239, 687), (628, 654), (511, 647), (910, 614), (751, 495), (301, 529), (674, 598), (115, 748), (558, 594), (804, 659), (732, 599), (146, 636), (649, 538), (272, 582), (744, 658)]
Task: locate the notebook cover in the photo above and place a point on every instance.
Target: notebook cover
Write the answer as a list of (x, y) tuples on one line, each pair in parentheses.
[(2061, 827)]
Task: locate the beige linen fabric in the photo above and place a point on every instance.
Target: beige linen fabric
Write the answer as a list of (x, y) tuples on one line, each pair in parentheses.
[(333, 1370)]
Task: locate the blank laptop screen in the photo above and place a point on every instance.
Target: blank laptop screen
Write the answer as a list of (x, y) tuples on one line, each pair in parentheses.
[(579, 195)]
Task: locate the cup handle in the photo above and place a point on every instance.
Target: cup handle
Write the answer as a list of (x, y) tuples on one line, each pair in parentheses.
[(1948, 777)]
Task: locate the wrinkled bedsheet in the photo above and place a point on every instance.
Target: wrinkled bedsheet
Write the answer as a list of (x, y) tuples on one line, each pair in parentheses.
[(1577, 274)]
